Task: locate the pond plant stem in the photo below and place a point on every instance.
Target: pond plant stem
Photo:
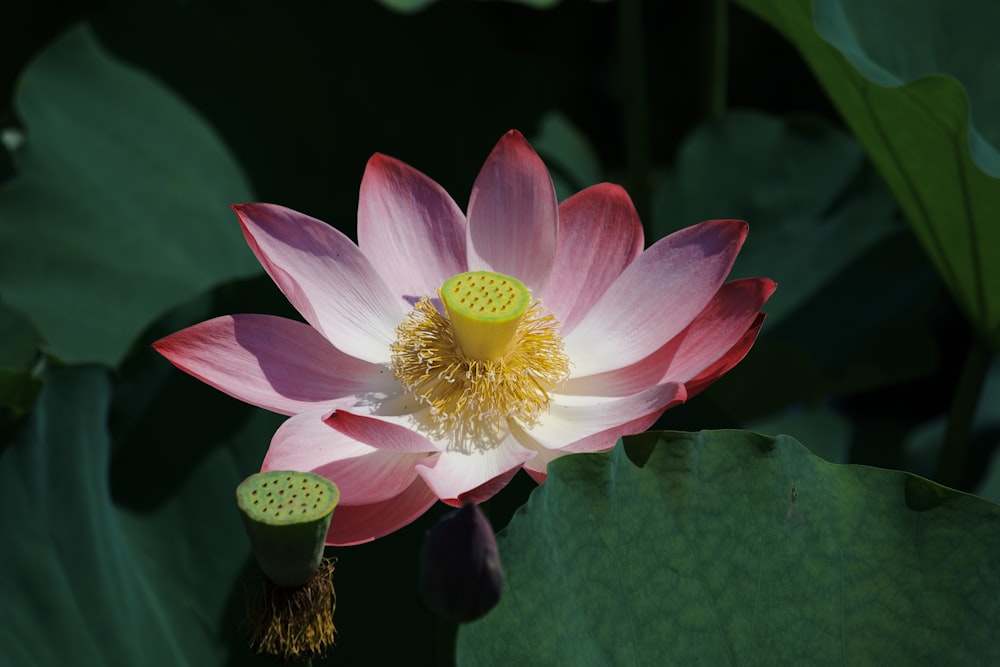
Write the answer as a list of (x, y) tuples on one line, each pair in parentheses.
[(954, 457)]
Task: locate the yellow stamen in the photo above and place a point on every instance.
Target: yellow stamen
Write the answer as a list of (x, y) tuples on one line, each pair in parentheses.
[(479, 369)]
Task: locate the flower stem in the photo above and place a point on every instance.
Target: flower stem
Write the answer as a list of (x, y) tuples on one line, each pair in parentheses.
[(633, 72), (716, 58), (953, 460)]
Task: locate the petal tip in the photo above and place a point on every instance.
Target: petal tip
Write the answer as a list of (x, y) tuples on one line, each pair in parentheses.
[(514, 140), (246, 208), (380, 161), (731, 231)]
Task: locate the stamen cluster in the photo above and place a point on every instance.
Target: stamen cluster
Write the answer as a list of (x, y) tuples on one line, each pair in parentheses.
[(472, 400)]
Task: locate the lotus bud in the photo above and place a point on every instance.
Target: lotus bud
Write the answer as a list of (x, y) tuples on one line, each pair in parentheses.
[(460, 573)]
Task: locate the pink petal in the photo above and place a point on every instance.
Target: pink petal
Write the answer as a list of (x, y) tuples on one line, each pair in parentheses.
[(734, 356), (326, 277), (411, 231), (536, 466), (272, 362), (587, 424), (720, 326), (484, 491), (513, 214), (599, 235), (391, 433), (454, 474), (356, 524), (656, 297), (363, 474), (539, 476)]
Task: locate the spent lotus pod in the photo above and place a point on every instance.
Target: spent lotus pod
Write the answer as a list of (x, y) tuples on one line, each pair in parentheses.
[(287, 515), (461, 577)]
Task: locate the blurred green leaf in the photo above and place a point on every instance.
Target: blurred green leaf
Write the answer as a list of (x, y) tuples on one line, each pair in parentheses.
[(827, 433), (120, 209), (903, 76), (85, 583), (571, 159), (851, 283), (797, 182), (406, 6), (942, 37), (727, 547), (19, 344)]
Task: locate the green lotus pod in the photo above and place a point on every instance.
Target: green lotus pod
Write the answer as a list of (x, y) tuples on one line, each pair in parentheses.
[(287, 515)]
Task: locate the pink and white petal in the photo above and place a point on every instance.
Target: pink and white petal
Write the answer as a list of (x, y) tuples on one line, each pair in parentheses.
[(513, 214), (363, 474), (453, 473), (585, 424), (484, 491), (409, 228), (394, 433), (734, 356), (272, 362), (357, 524), (538, 476), (536, 466), (326, 277), (722, 325), (599, 235), (719, 327), (655, 297)]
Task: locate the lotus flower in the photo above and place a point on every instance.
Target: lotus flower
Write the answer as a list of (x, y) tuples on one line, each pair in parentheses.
[(444, 352)]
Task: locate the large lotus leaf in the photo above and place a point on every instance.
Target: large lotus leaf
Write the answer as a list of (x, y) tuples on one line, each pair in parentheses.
[(939, 36), (729, 547), (120, 208), (903, 75), (85, 583)]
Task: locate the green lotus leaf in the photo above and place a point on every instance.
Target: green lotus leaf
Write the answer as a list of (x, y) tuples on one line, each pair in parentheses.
[(88, 584), (120, 208), (913, 83), (729, 547)]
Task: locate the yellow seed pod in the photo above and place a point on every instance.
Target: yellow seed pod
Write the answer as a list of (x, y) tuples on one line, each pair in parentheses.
[(485, 309)]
